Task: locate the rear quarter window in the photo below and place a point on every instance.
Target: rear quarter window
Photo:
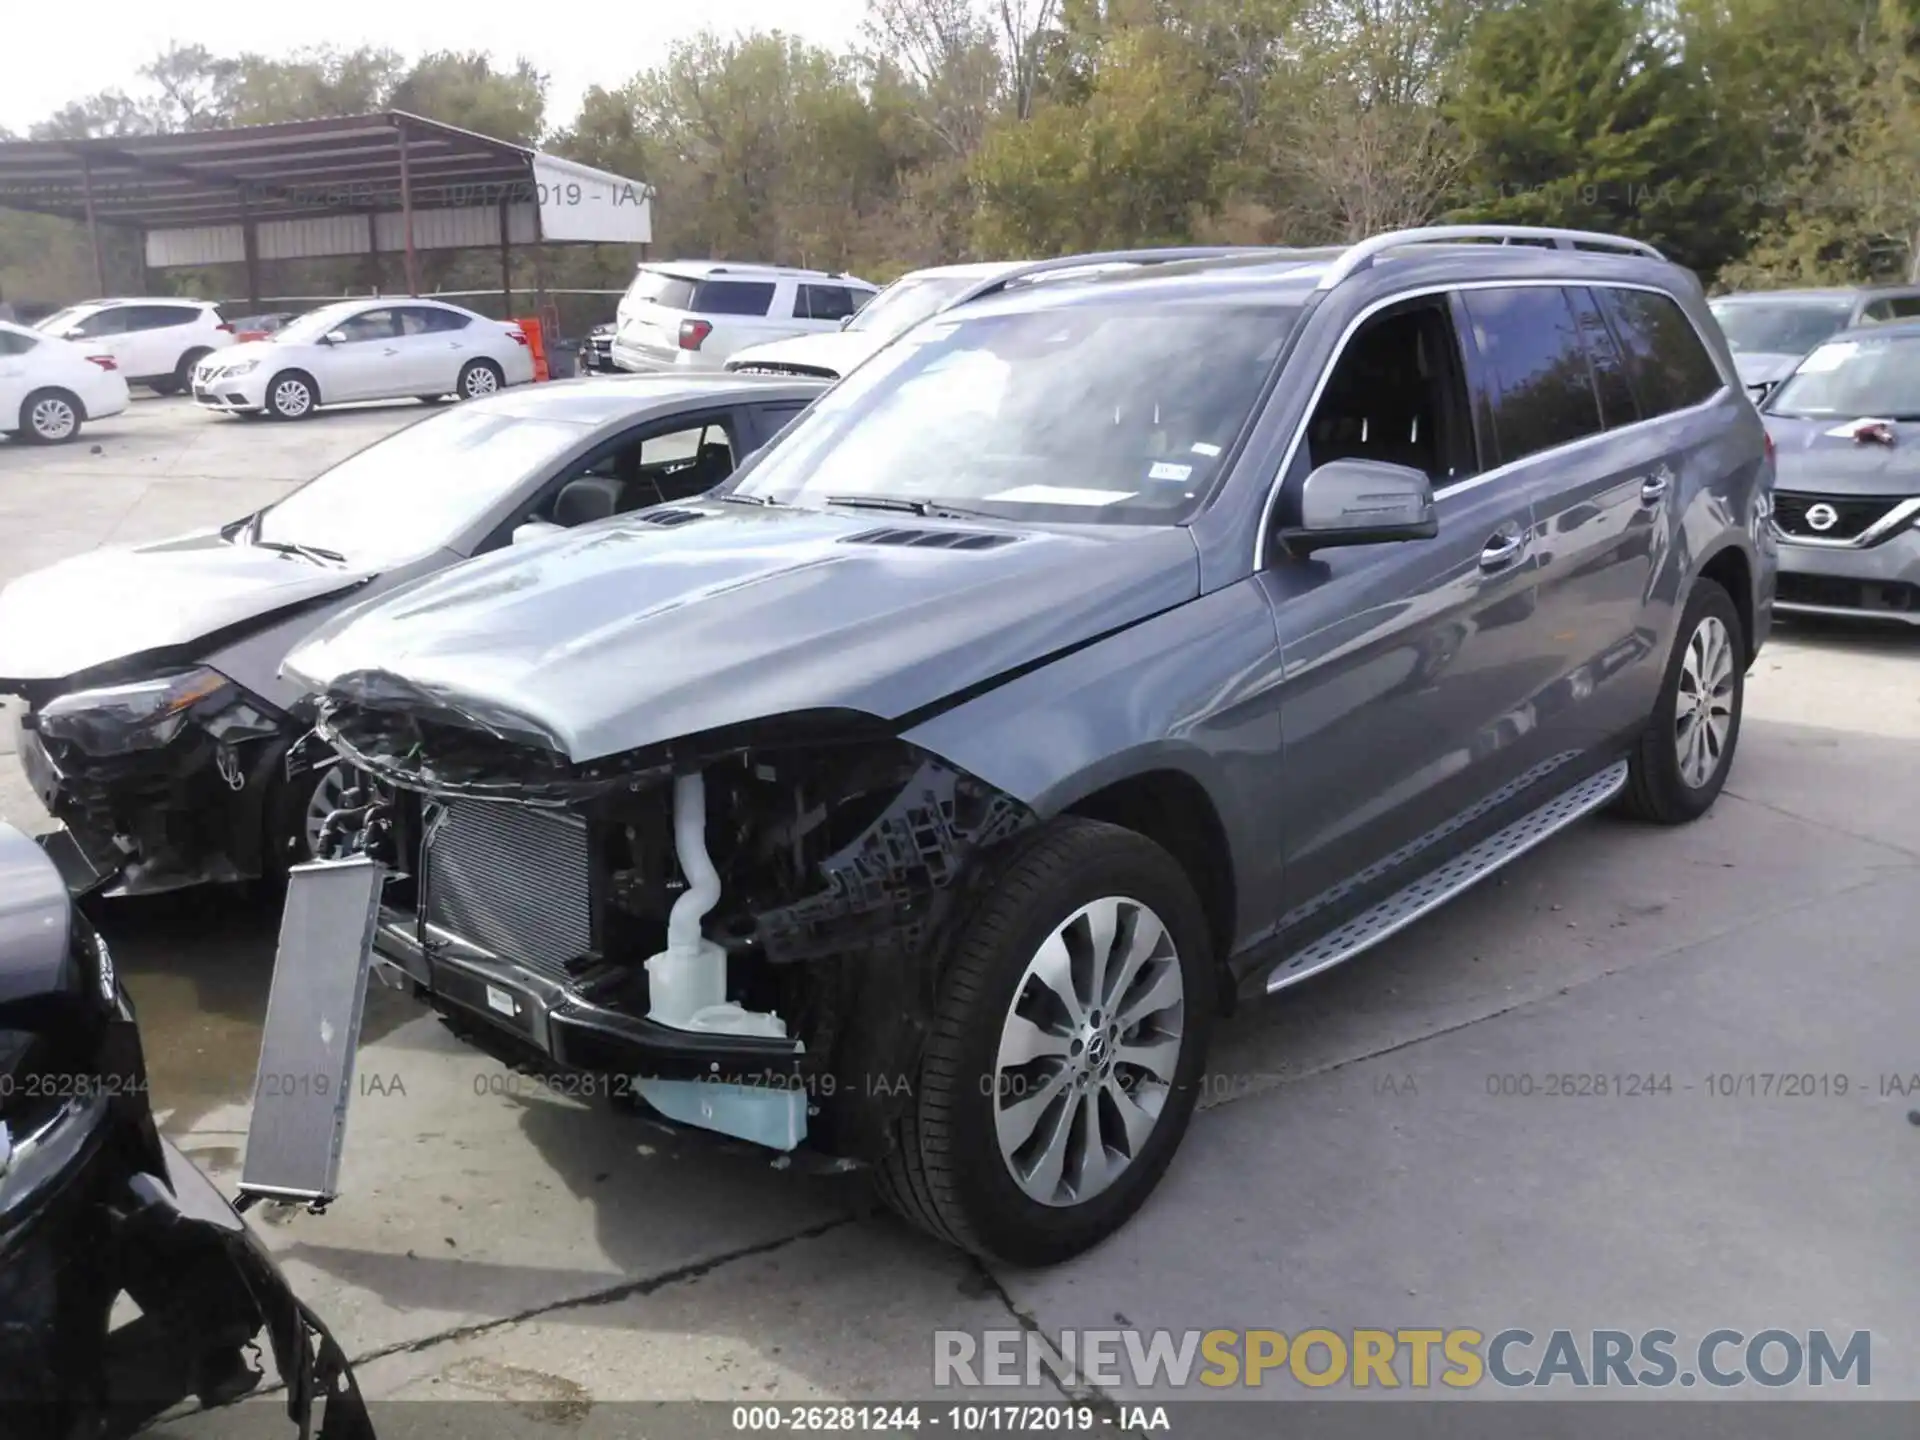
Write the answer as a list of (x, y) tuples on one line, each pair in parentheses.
[(1666, 361), (732, 297), (1542, 384)]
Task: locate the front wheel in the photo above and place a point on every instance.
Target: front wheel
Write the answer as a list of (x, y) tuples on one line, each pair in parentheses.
[(291, 396), (1066, 1049), (480, 377), (1681, 763)]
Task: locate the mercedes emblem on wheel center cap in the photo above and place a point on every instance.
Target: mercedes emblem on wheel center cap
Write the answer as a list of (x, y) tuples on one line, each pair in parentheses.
[(1822, 517)]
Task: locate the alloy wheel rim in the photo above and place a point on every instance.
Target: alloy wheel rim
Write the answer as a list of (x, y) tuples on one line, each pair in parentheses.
[(1703, 707), (1088, 1051), (480, 381), (291, 397), (52, 418), (328, 792)]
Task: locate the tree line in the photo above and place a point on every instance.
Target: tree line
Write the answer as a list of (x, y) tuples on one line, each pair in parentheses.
[(1762, 142)]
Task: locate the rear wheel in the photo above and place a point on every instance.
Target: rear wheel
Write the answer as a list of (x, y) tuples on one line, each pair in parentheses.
[(1681, 763), (480, 377), (49, 417), (1066, 1049)]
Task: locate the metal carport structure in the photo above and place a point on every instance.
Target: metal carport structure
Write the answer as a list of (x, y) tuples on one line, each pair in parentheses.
[(351, 185)]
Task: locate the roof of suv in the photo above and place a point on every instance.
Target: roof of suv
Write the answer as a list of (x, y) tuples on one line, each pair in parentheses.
[(1835, 292), (701, 269)]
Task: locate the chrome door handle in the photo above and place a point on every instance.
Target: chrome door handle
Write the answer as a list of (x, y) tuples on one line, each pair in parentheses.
[(1501, 549)]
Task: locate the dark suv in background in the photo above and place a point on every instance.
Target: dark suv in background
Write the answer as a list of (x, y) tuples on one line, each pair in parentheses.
[(1087, 660)]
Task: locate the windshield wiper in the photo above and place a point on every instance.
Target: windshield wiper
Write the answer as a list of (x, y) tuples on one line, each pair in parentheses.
[(734, 497), (305, 552), (926, 509)]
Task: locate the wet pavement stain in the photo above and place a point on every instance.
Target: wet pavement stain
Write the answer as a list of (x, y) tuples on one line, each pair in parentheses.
[(199, 964), (534, 1393)]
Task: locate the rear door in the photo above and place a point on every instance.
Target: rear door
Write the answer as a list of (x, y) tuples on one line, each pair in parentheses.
[(1600, 493), (156, 338), (434, 345), (742, 312)]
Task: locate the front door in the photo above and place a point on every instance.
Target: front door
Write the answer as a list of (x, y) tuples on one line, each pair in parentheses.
[(1410, 670), (366, 363)]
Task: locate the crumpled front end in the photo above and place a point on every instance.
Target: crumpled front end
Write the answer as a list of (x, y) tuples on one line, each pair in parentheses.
[(735, 926), (162, 783)]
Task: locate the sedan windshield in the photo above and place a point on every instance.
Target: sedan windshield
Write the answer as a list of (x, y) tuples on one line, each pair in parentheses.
[(315, 323), (1780, 327), (1877, 378), (908, 301), (1108, 410), (417, 490)]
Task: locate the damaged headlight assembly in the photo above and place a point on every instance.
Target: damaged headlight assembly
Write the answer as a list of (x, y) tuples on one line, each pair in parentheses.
[(122, 719)]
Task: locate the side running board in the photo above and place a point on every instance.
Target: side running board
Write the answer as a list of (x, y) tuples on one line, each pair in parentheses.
[(1434, 889)]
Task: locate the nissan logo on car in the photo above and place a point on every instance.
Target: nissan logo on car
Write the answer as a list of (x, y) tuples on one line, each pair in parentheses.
[(1822, 517)]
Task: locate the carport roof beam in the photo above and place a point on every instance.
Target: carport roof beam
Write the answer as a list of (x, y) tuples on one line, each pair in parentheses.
[(305, 170)]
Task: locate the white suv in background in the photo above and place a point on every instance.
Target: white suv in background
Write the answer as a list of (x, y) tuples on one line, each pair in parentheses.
[(155, 343), (693, 314)]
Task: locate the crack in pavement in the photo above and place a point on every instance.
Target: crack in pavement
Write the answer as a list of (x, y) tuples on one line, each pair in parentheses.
[(1084, 1392), (1280, 1083), (1782, 811)]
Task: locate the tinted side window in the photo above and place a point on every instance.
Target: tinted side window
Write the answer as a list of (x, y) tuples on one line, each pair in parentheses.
[(1609, 371), (1669, 367), (732, 297), (103, 322), (158, 317), (426, 320), (824, 302), (1537, 368), (371, 325)]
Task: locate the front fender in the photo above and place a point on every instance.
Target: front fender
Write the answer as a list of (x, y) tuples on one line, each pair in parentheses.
[(1190, 690)]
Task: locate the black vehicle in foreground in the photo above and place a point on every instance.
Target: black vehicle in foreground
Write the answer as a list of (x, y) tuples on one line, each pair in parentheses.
[(95, 1205), (1090, 657), (157, 728)]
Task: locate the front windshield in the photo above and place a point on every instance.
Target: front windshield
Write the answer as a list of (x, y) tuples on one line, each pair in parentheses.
[(416, 490), (908, 301), (312, 325), (1780, 327), (1108, 410), (1877, 378), (61, 320)]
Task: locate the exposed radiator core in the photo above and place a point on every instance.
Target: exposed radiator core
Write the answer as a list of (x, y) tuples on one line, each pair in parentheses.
[(512, 879)]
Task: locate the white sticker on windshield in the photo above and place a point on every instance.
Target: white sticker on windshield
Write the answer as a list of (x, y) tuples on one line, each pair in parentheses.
[(1166, 470), (1829, 357), (1201, 447), (1061, 495)]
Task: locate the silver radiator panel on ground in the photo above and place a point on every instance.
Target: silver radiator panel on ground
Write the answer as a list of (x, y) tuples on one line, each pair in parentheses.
[(511, 879)]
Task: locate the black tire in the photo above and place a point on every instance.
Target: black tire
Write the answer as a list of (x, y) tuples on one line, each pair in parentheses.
[(480, 377), (164, 385), (51, 417), (1657, 789), (282, 395), (946, 1172), (182, 382)]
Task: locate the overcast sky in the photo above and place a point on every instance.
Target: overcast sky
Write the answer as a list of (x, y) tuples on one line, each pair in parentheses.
[(577, 44)]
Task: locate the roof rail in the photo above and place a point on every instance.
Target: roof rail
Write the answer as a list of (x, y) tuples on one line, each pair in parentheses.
[(1361, 256), (1164, 255)]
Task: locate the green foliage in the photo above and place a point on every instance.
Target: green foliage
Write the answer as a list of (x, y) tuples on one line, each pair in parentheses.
[(1760, 141)]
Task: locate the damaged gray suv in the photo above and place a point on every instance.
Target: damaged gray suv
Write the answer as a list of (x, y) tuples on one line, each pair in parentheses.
[(1081, 665)]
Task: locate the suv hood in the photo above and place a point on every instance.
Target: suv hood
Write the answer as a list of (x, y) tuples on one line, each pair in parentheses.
[(1809, 460), (628, 633), (837, 351), (110, 605)]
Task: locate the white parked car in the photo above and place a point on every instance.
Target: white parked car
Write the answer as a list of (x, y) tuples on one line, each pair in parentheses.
[(366, 350), (156, 343), (50, 387), (921, 293), (695, 314)]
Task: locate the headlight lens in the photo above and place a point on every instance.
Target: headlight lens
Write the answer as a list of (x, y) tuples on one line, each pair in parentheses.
[(241, 367), (119, 719)]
